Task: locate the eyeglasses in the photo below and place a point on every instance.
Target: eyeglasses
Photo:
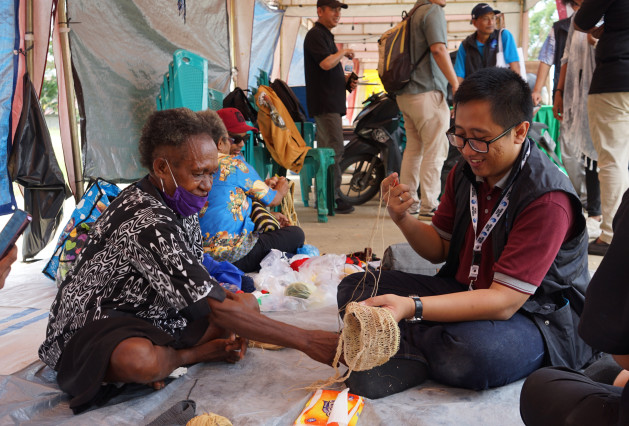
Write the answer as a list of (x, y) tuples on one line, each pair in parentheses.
[(237, 139), (477, 145)]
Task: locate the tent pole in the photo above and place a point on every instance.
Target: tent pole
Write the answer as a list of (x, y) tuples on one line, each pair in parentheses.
[(64, 30), (29, 39), (231, 9)]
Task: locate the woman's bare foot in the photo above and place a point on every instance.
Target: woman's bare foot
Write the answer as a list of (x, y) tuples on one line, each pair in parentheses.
[(160, 384), (232, 350)]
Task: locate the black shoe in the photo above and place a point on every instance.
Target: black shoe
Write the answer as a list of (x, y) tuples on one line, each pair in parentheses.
[(396, 375), (343, 207), (598, 248)]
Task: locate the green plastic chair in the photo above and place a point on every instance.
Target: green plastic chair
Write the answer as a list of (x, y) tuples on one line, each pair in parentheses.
[(318, 165), (215, 99), (189, 78)]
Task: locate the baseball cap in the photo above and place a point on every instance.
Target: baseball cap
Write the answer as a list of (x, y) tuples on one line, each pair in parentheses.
[(234, 121), (331, 3), (483, 9)]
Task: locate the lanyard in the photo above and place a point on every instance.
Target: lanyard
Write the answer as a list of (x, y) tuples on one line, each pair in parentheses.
[(489, 226)]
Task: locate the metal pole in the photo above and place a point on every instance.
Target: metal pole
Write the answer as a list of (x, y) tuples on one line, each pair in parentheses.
[(231, 10), (29, 39), (64, 30)]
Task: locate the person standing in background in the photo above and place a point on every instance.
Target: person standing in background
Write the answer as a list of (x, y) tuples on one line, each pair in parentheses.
[(608, 105), (424, 106), (325, 87), (480, 48)]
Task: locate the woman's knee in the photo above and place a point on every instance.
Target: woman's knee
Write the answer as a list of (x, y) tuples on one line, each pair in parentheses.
[(135, 360)]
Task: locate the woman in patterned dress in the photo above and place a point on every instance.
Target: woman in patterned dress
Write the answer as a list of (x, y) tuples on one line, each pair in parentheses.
[(139, 303)]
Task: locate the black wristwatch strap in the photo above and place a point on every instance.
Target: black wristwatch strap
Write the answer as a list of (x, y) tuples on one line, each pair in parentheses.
[(419, 309)]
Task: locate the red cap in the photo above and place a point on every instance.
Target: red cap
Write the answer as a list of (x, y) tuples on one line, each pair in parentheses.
[(235, 121)]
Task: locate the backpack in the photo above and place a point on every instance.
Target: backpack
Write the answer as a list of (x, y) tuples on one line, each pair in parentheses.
[(394, 54), (238, 99), (73, 239), (290, 101), (279, 132)]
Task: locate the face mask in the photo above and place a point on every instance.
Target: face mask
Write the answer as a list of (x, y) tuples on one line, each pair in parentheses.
[(183, 202)]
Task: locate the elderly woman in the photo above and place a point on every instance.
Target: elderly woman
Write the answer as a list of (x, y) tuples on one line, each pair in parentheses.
[(139, 303), (239, 194)]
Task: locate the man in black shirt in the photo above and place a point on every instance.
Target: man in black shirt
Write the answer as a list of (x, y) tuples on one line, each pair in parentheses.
[(326, 84)]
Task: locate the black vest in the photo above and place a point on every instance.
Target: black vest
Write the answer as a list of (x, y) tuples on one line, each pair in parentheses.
[(473, 59), (561, 29), (558, 302)]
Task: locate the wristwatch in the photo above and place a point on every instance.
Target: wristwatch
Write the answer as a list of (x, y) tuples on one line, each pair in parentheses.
[(419, 309)]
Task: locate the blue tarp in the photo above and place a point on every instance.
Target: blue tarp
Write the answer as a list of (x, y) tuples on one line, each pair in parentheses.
[(266, 32), (9, 42)]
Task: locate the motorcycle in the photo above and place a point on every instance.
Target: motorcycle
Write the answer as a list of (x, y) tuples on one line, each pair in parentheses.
[(374, 150)]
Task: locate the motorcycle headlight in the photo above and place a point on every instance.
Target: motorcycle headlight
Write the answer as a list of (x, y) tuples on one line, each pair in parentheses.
[(380, 135), (364, 133)]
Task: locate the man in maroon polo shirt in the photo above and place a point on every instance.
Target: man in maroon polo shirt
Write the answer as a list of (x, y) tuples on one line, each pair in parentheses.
[(510, 228)]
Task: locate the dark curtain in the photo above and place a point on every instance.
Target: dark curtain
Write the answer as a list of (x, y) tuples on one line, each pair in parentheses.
[(34, 166)]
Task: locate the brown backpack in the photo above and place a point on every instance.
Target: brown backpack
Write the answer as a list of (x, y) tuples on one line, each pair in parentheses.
[(280, 135)]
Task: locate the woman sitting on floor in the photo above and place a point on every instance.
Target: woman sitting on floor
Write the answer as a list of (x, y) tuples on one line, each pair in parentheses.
[(139, 303), (229, 233)]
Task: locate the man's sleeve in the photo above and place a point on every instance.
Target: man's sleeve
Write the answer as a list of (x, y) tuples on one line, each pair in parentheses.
[(534, 241), (590, 12), (435, 26), (547, 52), (605, 318), (459, 65), (509, 48), (316, 47)]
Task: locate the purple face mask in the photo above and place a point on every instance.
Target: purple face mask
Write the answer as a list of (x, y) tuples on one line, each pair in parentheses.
[(183, 202)]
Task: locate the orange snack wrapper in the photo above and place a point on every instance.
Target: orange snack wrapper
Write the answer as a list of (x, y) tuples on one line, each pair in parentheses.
[(331, 408)]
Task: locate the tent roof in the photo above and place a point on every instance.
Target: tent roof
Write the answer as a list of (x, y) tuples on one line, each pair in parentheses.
[(365, 20)]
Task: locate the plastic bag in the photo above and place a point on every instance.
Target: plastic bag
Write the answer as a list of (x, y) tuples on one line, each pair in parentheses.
[(319, 276)]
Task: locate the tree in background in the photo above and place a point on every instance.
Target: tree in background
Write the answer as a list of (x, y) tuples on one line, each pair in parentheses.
[(49, 98), (541, 18)]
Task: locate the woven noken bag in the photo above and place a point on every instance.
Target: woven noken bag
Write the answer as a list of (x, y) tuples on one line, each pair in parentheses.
[(370, 337)]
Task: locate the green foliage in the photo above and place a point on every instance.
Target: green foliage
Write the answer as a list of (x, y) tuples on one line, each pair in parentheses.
[(49, 97), (541, 18)]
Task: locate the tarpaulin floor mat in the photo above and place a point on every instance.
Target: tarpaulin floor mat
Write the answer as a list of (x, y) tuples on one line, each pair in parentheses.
[(265, 388)]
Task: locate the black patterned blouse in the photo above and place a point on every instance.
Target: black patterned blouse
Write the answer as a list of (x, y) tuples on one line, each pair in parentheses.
[(141, 260)]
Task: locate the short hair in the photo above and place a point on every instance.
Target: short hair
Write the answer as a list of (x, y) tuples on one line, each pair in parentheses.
[(214, 121), (508, 94), (170, 127)]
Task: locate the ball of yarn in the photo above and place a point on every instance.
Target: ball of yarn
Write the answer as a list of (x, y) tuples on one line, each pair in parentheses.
[(209, 419), (298, 289)]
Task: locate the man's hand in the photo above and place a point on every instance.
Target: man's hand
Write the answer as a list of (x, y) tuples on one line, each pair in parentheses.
[(558, 105), (348, 53), (5, 264), (397, 196), (537, 98), (400, 307)]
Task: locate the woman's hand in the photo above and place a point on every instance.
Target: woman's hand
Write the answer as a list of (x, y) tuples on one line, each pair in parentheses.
[(283, 220), (400, 307)]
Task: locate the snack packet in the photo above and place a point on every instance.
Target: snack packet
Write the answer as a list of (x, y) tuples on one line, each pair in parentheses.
[(331, 408)]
